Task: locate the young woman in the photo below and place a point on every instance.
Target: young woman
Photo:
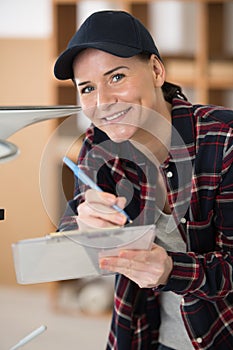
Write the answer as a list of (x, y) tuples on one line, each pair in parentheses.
[(165, 161)]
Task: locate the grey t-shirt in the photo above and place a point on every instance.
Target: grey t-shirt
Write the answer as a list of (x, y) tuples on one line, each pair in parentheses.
[(172, 332)]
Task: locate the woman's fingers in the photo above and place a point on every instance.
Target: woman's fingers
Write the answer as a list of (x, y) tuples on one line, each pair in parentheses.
[(97, 212), (146, 268)]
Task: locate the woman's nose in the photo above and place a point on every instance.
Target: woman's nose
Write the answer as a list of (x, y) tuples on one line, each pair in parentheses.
[(105, 98)]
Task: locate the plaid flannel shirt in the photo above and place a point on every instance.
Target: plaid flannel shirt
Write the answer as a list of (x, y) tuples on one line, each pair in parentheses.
[(204, 274)]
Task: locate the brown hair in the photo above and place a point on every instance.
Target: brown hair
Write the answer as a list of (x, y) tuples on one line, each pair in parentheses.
[(170, 90)]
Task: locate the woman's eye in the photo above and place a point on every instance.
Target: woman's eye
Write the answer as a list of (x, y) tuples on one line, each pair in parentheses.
[(87, 89), (117, 77)]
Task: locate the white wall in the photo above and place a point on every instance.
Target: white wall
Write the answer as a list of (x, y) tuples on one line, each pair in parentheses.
[(25, 18)]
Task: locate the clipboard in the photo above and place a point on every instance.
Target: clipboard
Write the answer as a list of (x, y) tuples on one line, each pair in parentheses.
[(75, 254)]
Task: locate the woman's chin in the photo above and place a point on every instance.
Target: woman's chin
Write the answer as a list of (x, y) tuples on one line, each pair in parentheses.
[(117, 139), (117, 135)]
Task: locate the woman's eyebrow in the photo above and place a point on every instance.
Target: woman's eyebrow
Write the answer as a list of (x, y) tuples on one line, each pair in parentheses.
[(83, 83), (114, 69)]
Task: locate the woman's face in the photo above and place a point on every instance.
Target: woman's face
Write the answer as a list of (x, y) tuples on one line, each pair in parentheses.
[(118, 94)]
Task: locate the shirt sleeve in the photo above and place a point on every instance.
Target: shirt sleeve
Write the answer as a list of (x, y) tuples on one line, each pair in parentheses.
[(208, 273)]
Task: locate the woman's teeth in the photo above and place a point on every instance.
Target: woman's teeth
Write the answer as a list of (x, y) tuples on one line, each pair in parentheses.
[(117, 115)]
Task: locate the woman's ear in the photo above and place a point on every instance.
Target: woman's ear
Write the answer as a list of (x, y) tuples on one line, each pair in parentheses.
[(158, 71)]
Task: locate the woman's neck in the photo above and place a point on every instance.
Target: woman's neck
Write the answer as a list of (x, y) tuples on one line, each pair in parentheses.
[(154, 138)]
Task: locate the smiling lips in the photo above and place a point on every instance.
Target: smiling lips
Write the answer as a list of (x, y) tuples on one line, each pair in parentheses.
[(116, 116)]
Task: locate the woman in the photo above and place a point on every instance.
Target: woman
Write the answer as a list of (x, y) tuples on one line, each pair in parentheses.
[(164, 161)]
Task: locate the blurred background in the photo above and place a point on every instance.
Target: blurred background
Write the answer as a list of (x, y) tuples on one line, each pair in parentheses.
[(195, 39)]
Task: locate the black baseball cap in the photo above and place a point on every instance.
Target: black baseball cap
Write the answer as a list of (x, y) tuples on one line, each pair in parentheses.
[(116, 32)]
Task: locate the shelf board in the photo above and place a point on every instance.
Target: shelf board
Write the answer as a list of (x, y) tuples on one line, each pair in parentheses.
[(181, 71), (221, 83), (65, 2), (220, 74)]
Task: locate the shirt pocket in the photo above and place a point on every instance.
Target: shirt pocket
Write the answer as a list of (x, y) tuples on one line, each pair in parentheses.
[(201, 235)]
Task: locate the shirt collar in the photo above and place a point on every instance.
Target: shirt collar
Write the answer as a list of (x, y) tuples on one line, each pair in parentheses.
[(183, 132)]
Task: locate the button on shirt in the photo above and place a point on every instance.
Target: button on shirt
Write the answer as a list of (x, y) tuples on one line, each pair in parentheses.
[(169, 174)]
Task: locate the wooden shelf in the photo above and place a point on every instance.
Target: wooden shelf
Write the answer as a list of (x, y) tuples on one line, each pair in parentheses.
[(209, 68), (65, 25), (220, 75), (181, 71)]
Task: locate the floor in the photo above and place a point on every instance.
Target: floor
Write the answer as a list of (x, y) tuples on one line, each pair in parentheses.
[(23, 310)]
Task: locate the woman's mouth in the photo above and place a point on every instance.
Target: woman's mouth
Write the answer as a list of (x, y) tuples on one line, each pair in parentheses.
[(117, 116)]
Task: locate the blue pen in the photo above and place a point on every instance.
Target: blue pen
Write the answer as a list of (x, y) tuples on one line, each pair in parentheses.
[(87, 181)]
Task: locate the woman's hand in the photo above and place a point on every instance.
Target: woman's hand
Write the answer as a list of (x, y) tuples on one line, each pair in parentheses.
[(147, 268), (97, 212)]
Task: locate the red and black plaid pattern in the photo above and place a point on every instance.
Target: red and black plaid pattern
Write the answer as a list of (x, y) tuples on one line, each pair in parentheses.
[(203, 194)]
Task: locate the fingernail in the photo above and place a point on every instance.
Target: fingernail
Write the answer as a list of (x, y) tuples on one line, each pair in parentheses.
[(109, 197), (120, 219), (103, 263)]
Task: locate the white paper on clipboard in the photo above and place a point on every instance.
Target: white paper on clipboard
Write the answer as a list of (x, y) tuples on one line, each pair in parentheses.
[(74, 254)]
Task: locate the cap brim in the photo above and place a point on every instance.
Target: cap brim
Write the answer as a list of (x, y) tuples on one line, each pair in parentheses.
[(63, 68)]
